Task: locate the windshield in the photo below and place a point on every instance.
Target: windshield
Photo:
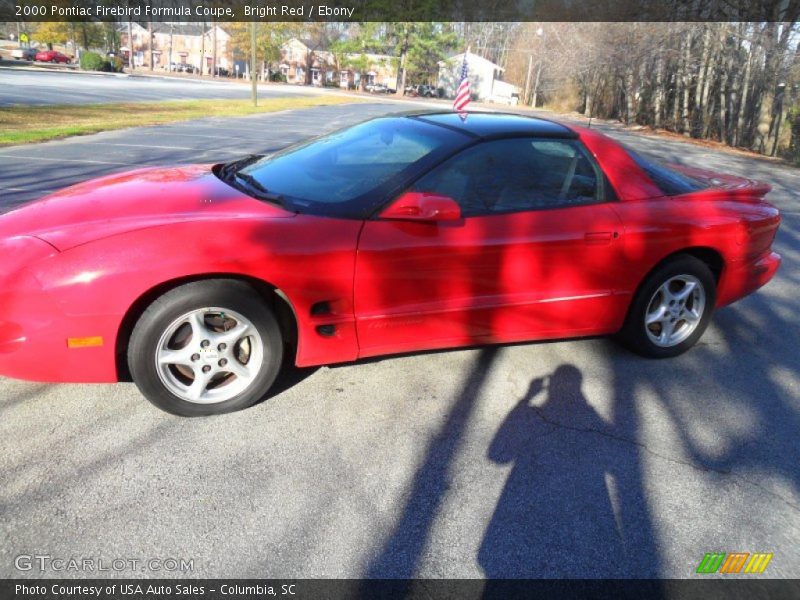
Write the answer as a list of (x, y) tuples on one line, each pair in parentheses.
[(348, 173)]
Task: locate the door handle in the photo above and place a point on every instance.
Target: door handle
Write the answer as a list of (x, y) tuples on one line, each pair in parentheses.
[(599, 237)]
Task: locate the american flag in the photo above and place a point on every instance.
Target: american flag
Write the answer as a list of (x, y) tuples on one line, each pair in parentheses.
[(463, 92)]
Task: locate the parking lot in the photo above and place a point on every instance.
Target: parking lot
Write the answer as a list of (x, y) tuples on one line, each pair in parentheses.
[(40, 87), (563, 459)]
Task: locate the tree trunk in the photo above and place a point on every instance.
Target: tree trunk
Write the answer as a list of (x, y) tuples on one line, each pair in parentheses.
[(714, 58), (658, 92), (704, 70), (685, 124), (723, 108), (676, 95), (401, 75), (630, 104), (150, 42), (743, 102)]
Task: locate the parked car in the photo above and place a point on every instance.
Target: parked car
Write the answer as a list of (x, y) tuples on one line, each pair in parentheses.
[(24, 53), (377, 88), (400, 234), (426, 91), (223, 72), (52, 56)]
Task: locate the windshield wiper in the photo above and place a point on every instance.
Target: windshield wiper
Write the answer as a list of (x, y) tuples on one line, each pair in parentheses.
[(262, 192), (228, 168)]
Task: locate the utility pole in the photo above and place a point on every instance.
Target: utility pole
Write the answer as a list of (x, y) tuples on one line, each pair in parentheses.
[(536, 84), (253, 74), (214, 49), (130, 44), (169, 64), (202, 47), (150, 42), (527, 96), (540, 33)]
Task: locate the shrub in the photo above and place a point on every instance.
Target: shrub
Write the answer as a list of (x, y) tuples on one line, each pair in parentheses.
[(114, 64), (277, 77), (793, 151), (91, 61)]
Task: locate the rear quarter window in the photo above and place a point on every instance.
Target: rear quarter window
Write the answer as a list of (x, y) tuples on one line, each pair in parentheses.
[(669, 181)]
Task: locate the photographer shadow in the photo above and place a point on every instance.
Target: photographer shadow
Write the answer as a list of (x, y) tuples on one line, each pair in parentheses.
[(573, 504)]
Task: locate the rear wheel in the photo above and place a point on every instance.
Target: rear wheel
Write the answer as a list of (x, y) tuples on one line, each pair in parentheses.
[(204, 348), (672, 309)]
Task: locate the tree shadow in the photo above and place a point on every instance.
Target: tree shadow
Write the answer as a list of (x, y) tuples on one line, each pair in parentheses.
[(402, 550)]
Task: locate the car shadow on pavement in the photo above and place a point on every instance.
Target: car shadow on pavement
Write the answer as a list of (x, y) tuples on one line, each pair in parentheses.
[(33, 391)]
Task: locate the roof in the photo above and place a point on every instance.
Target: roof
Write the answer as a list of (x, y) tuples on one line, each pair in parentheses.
[(483, 124), (187, 29), (471, 59), (310, 44)]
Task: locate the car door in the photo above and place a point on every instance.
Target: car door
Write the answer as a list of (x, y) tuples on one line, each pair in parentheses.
[(535, 253)]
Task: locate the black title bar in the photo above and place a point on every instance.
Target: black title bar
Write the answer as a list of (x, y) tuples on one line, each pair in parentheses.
[(399, 10), (429, 589)]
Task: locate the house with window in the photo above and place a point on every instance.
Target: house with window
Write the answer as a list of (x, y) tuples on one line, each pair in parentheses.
[(485, 78), (179, 44), (304, 61), (381, 69)]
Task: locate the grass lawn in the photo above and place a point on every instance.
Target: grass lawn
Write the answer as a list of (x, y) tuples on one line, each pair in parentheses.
[(26, 124)]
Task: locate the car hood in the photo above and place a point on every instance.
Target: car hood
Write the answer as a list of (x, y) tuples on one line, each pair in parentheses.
[(133, 200)]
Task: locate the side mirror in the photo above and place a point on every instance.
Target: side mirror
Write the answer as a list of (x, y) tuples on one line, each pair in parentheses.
[(423, 206)]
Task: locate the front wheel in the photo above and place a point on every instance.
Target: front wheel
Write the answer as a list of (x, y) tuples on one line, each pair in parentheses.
[(672, 309), (207, 347)]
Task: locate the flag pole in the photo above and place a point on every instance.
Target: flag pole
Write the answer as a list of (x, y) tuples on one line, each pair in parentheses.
[(463, 92)]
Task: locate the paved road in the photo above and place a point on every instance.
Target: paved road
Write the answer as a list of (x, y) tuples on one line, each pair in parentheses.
[(43, 87), (449, 464)]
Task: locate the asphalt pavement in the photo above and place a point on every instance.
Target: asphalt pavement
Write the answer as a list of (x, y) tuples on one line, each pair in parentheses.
[(41, 87), (560, 459)]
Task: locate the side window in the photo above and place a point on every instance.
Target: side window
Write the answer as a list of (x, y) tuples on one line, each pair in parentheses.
[(669, 181), (515, 175)]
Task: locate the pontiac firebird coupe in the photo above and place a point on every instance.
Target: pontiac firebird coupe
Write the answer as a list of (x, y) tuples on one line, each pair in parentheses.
[(400, 234)]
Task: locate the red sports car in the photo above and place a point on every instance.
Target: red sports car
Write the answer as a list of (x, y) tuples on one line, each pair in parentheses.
[(52, 56), (400, 234)]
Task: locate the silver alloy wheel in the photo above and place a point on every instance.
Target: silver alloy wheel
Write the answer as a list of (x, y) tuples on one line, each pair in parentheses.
[(209, 355), (675, 310)]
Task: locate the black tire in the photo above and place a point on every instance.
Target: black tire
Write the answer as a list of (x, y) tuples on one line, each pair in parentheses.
[(633, 333), (228, 294)]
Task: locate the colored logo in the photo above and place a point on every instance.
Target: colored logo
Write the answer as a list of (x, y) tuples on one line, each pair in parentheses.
[(735, 562)]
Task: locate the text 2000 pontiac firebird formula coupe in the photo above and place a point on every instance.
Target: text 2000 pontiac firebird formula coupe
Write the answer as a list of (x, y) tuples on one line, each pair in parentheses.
[(400, 234)]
